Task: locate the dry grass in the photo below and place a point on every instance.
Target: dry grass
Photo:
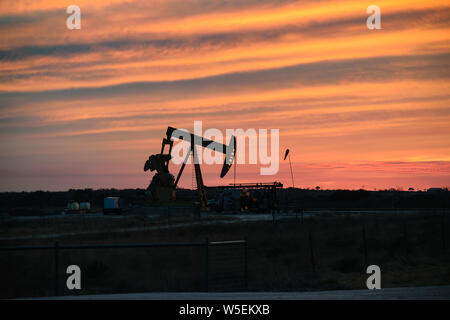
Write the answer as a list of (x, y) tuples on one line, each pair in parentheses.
[(278, 257)]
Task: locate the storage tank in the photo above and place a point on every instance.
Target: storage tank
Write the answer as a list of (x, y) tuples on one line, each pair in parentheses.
[(72, 205), (85, 205), (111, 205)]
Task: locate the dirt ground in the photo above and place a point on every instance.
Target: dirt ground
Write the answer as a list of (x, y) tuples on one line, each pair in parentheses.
[(325, 252)]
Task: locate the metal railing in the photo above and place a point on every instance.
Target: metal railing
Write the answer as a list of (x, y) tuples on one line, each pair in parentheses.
[(207, 245)]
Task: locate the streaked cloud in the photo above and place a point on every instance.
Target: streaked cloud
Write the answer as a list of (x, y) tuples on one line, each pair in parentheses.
[(356, 107)]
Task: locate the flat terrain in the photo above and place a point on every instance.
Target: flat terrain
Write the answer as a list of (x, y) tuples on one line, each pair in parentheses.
[(63, 226), (328, 250)]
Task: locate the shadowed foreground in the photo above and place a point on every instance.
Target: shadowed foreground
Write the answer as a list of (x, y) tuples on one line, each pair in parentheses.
[(327, 251)]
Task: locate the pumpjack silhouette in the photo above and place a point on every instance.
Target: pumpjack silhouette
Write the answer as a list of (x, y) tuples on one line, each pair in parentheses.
[(163, 186)]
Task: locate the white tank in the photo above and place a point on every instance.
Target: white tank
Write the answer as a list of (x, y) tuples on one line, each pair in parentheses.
[(73, 205)]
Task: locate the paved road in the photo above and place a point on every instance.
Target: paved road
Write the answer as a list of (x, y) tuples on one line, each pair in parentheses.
[(411, 293)]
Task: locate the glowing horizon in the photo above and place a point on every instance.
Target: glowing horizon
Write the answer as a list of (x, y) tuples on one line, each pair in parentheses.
[(357, 107)]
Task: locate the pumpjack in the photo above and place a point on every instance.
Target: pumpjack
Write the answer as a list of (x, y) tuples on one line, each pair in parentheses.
[(163, 185)]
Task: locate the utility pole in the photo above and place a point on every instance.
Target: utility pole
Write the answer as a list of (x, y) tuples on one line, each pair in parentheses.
[(287, 154), (234, 177)]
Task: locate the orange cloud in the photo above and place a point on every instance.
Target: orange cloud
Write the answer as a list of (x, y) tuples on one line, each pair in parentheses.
[(356, 107)]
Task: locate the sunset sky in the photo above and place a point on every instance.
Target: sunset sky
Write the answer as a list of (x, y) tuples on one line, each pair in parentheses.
[(358, 108)]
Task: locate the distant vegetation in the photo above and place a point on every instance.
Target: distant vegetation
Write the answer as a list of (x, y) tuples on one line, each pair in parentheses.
[(364, 199), (39, 202)]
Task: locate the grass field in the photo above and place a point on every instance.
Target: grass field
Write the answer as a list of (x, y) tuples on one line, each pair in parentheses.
[(411, 250)]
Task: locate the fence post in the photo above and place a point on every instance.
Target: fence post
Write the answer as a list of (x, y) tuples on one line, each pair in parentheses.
[(206, 265), (168, 214), (364, 244), (313, 263), (56, 282), (444, 242), (405, 236), (82, 219), (246, 263)]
